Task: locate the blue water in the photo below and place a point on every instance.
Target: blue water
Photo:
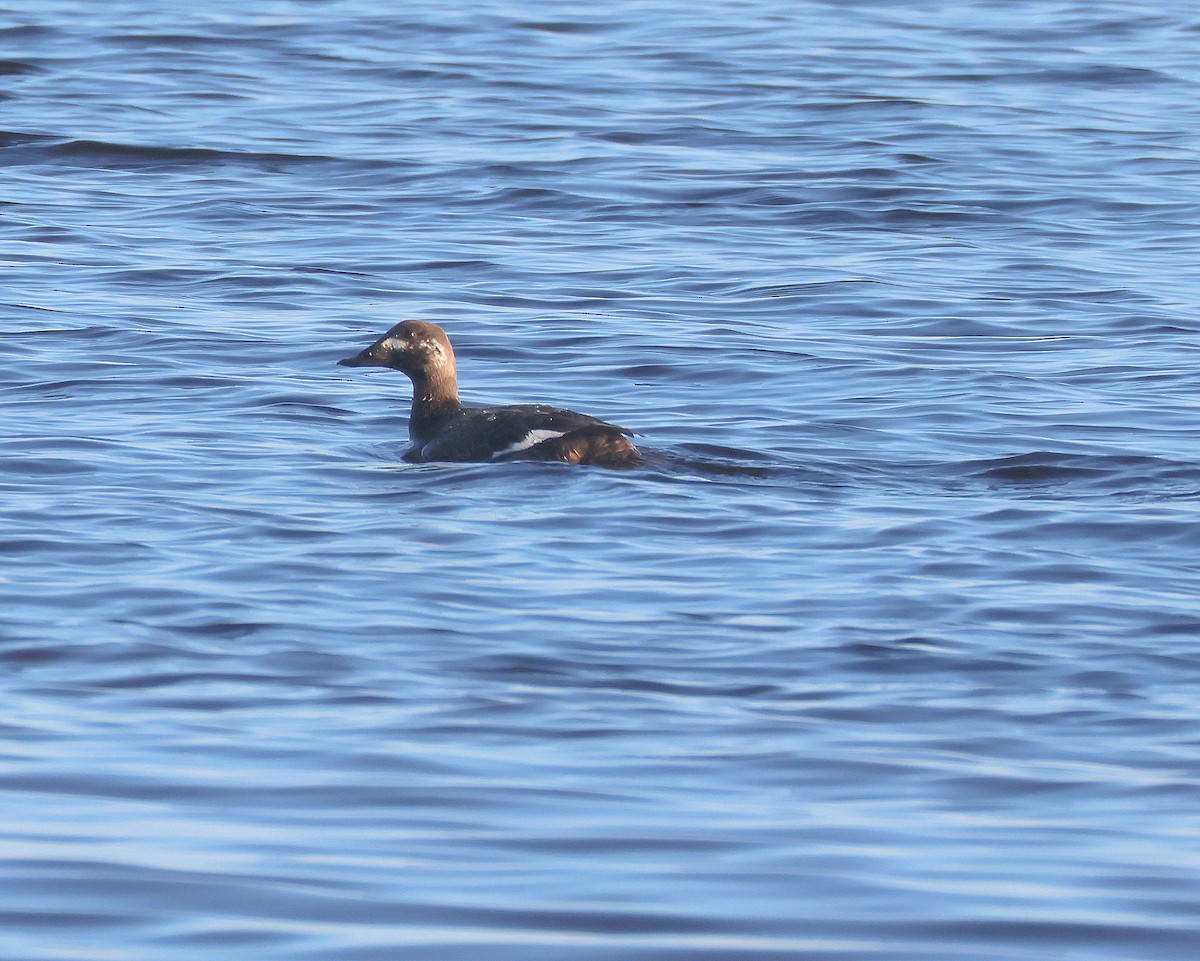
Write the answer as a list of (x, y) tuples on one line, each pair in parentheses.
[(891, 652)]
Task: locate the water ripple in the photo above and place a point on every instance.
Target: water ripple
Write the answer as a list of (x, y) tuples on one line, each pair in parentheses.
[(888, 649)]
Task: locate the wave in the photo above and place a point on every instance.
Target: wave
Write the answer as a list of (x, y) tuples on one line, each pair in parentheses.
[(33, 149)]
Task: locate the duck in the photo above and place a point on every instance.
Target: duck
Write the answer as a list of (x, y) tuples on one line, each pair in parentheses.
[(442, 428)]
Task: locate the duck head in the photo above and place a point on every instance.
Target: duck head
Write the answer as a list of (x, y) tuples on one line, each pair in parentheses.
[(415, 347)]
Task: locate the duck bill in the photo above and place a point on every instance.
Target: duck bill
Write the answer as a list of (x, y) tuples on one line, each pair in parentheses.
[(362, 359)]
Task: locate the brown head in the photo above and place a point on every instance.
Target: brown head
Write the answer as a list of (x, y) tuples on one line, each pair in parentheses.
[(420, 349), (423, 352)]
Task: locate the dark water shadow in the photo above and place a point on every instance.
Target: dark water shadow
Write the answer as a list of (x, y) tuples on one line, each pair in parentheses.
[(1031, 474), (719, 462)]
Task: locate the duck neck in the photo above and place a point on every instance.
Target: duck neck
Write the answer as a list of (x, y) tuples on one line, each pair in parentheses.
[(435, 398)]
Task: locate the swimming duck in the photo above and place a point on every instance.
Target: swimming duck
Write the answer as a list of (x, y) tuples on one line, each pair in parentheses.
[(442, 429)]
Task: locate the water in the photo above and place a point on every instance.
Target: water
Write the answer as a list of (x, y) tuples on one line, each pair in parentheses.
[(890, 652)]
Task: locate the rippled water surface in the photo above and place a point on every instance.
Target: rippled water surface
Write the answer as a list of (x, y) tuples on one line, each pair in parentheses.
[(890, 651)]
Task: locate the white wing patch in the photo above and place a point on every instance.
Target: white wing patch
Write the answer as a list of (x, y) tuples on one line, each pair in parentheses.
[(533, 437)]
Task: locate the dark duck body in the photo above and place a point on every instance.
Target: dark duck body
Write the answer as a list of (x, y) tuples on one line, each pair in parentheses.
[(442, 429)]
